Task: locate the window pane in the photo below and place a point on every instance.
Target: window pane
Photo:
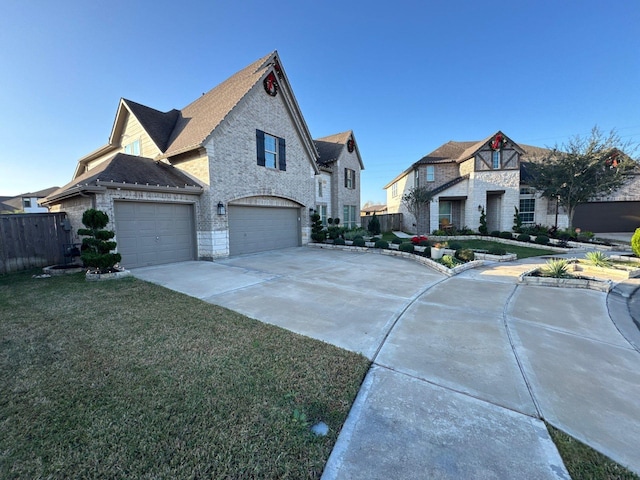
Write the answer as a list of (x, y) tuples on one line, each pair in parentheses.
[(270, 159), (496, 159), (270, 143)]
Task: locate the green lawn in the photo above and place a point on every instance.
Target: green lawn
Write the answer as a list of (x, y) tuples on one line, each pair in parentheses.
[(127, 379)]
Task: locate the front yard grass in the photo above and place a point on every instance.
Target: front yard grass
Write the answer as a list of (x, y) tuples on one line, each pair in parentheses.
[(521, 251), (128, 379)]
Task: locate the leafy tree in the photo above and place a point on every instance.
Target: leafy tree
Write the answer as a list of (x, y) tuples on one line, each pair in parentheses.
[(582, 169), (417, 202), (374, 225), (96, 249)]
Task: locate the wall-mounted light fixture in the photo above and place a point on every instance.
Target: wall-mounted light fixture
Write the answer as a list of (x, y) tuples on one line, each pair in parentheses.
[(479, 208), (221, 209), (311, 211)]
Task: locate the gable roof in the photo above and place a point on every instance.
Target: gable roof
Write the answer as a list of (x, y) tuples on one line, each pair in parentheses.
[(455, 152), (329, 148), (10, 204), (157, 124), (131, 172), (198, 119)]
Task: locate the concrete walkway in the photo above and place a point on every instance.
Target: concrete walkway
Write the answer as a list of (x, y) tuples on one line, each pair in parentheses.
[(463, 368)]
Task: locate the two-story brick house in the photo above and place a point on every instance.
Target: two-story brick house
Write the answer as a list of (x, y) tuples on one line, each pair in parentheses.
[(233, 172), (469, 177), (338, 184)]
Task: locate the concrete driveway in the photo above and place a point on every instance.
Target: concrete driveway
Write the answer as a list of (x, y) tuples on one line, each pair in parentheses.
[(463, 367)]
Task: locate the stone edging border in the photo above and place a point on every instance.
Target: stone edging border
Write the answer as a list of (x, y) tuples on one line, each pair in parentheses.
[(427, 262), (525, 278)]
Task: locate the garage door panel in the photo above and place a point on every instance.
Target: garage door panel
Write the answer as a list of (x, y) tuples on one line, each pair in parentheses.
[(256, 229), (154, 233)]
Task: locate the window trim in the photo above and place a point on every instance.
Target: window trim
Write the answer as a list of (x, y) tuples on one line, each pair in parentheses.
[(133, 148), (394, 190), (530, 212), (430, 174), (496, 159)]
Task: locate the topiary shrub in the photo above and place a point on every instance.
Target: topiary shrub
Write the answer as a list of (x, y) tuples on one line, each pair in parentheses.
[(507, 235), (382, 244), (465, 255), (635, 242), (317, 230), (406, 247), (497, 250), (96, 249), (495, 233), (396, 241), (542, 240), (523, 237), (455, 245), (358, 242), (339, 241)]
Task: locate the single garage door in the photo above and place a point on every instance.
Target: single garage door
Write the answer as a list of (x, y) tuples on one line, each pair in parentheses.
[(256, 229), (602, 217), (154, 233)]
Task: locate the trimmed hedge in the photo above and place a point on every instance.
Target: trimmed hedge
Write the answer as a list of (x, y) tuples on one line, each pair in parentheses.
[(542, 239), (506, 235), (523, 237), (396, 241), (406, 247), (496, 233), (382, 244), (339, 241), (497, 250), (358, 242)]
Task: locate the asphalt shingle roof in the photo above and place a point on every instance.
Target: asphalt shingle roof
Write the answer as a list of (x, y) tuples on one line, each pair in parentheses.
[(329, 148), (197, 120), (157, 124)]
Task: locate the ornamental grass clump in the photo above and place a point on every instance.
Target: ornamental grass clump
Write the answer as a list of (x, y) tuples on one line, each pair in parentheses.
[(598, 259), (635, 242), (448, 261), (556, 268)]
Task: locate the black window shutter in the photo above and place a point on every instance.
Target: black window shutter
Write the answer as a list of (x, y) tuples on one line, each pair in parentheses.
[(345, 177), (260, 147), (282, 155), (353, 184)]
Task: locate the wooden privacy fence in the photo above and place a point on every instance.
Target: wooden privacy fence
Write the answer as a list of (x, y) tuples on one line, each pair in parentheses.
[(388, 221), (33, 240)]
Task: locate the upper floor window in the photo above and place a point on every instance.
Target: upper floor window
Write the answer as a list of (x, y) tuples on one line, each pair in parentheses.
[(271, 151), (132, 148), (431, 173), (394, 190), (349, 178), (495, 157), (26, 202)]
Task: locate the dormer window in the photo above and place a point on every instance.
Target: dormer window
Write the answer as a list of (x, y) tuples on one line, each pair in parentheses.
[(496, 159), (132, 148)]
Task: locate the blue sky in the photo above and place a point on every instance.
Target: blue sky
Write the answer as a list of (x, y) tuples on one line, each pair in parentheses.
[(406, 76)]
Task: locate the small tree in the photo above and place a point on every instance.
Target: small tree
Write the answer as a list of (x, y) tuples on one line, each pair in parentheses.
[(96, 249), (417, 202), (317, 232), (374, 225), (635, 242), (517, 221), (483, 223), (583, 169)]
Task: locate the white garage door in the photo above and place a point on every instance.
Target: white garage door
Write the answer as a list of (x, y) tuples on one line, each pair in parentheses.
[(154, 233), (256, 229)]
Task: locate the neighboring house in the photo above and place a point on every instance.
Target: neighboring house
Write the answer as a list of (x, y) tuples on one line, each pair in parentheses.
[(26, 202), (338, 184), (233, 172), (378, 209), (491, 175)]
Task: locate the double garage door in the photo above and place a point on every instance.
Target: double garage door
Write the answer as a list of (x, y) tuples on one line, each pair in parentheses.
[(256, 229), (154, 233), (602, 217)]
